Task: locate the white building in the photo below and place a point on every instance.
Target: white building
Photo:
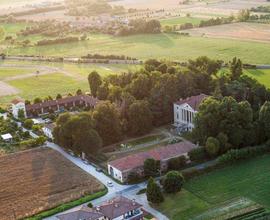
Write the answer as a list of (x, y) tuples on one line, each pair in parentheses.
[(185, 111), (7, 137), (48, 130), (4, 116), (16, 106)]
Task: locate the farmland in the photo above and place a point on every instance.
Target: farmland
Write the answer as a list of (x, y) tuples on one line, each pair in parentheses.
[(163, 46), (41, 179), (217, 187), (180, 20)]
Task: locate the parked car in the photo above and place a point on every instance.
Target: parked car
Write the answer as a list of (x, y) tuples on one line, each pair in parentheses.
[(86, 162), (98, 169), (109, 184)]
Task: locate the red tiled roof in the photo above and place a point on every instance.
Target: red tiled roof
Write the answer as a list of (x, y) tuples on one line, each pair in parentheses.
[(193, 101), (90, 100), (81, 213), (117, 207), (16, 101), (161, 153)]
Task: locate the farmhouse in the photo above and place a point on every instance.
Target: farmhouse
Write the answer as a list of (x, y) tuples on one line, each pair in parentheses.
[(48, 130), (52, 106), (119, 208), (185, 111), (121, 168)]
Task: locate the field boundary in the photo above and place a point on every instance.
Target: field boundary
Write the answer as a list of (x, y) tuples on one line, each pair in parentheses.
[(69, 205)]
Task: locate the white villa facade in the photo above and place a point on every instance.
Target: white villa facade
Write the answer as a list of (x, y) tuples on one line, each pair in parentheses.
[(185, 111), (16, 106)]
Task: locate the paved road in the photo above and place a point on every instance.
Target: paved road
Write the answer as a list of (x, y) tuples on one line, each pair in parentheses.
[(128, 191)]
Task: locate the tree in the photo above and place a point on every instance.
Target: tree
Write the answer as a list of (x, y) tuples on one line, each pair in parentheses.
[(212, 146), (236, 68), (243, 15), (28, 123), (59, 96), (153, 192), (139, 118), (37, 100), (108, 123), (115, 93), (264, 118), (140, 87), (21, 114), (151, 167), (76, 132), (103, 92), (94, 80), (177, 163), (173, 182), (79, 92)]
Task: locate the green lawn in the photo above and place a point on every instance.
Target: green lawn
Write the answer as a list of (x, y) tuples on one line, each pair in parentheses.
[(181, 20), (249, 179), (45, 85), (262, 75), (166, 46), (9, 72)]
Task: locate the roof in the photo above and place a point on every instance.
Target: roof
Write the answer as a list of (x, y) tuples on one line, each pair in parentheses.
[(16, 101), (117, 207), (50, 126), (6, 136), (160, 153), (193, 101), (80, 213), (90, 100)]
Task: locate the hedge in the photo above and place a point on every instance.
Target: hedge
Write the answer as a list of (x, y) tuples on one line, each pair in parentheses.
[(69, 205)]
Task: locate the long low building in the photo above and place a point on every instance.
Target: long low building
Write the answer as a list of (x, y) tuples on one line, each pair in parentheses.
[(51, 106), (121, 168)]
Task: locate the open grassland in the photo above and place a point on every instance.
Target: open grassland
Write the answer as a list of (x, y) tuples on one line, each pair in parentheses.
[(249, 179), (11, 72), (165, 46), (262, 75), (40, 179)]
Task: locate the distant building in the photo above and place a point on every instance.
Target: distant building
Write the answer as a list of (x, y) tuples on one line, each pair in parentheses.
[(7, 137), (119, 208), (48, 130), (121, 168), (185, 111), (16, 106), (53, 106)]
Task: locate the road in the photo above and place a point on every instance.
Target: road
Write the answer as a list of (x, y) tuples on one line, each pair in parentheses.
[(128, 191)]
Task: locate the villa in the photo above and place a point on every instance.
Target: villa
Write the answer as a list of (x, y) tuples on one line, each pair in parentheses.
[(185, 111)]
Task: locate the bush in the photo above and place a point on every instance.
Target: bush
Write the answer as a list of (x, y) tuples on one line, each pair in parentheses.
[(177, 163), (133, 178), (28, 123), (241, 154), (173, 182), (197, 154), (212, 146)]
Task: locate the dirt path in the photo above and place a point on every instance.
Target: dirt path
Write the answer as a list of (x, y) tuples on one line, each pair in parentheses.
[(6, 89)]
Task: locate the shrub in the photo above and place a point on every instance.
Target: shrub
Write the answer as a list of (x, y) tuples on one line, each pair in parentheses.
[(28, 123), (173, 182), (133, 178), (177, 163), (212, 146), (197, 154)]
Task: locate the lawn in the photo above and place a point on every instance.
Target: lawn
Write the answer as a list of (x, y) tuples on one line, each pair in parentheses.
[(180, 20), (249, 179), (45, 85), (166, 46), (10, 72), (39, 179), (262, 75)]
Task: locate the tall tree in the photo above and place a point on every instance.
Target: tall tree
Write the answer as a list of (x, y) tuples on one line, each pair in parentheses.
[(94, 80), (264, 117), (153, 192), (173, 182), (108, 123), (236, 68), (139, 118)]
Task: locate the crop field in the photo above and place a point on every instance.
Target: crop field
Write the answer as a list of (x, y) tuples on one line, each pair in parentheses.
[(244, 31), (248, 179), (165, 46), (40, 179)]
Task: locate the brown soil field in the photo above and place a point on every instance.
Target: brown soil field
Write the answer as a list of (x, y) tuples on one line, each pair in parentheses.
[(243, 31), (39, 179)]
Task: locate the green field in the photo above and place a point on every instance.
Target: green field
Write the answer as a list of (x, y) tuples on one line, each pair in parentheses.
[(165, 46), (262, 75), (180, 20), (10, 72), (249, 179)]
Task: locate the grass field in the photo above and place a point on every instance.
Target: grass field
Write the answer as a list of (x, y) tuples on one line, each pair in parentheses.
[(40, 179), (10, 72), (249, 179), (166, 46), (262, 75), (180, 20)]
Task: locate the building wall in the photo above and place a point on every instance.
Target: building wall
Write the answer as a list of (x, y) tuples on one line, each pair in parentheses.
[(115, 173), (16, 108), (47, 132), (184, 115)]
